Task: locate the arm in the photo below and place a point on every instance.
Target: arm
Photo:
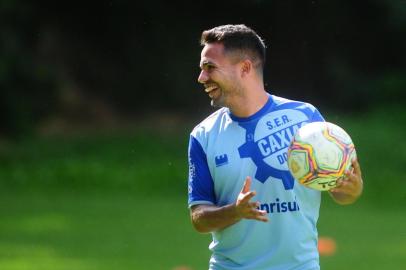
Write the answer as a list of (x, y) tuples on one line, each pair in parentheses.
[(208, 218), (348, 190)]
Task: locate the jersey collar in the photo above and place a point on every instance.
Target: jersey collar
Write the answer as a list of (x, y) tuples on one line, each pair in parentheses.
[(259, 113)]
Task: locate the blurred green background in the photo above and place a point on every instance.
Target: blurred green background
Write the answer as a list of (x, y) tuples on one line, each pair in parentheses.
[(97, 101)]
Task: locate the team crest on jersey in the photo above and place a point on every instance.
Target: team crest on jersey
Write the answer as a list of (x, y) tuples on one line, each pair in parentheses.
[(267, 141), (221, 160)]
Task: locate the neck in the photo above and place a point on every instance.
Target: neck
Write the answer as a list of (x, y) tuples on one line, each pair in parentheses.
[(250, 102)]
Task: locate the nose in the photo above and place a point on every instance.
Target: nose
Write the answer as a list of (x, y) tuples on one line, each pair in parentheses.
[(203, 77)]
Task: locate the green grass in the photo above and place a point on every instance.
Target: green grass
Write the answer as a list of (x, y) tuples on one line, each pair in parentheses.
[(119, 202), (77, 230), (143, 163), (367, 237)]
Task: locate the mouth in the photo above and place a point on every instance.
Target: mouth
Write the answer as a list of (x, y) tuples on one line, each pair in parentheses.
[(210, 89)]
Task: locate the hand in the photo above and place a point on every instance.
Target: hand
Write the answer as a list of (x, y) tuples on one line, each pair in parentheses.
[(209, 218), (349, 188), (247, 209)]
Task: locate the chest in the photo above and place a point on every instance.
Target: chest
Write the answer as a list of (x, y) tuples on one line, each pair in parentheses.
[(256, 148)]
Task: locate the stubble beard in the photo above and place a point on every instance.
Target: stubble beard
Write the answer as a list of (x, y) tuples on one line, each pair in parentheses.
[(217, 103), (225, 98), (220, 101), (226, 95)]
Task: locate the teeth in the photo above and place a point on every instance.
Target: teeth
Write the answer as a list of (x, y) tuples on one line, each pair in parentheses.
[(210, 88)]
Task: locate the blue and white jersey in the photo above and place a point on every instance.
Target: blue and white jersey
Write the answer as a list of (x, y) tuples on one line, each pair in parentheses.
[(223, 151)]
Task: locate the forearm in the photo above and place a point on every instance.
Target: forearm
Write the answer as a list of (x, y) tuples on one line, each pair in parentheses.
[(209, 218)]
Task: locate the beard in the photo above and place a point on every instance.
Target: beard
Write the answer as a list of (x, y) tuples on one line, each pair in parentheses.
[(218, 102), (227, 90), (225, 97)]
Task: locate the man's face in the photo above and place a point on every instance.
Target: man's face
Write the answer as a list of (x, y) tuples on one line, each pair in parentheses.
[(219, 75)]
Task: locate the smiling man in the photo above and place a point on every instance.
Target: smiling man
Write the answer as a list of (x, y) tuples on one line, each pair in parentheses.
[(240, 188)]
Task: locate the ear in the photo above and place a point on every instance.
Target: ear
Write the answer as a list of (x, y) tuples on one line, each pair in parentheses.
[(246, 67)]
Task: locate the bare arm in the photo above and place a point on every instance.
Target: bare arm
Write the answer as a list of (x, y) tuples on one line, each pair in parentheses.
[(350, 189), (208, 218)]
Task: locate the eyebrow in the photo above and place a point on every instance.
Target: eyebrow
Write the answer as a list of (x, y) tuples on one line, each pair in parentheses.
[(206, 63)]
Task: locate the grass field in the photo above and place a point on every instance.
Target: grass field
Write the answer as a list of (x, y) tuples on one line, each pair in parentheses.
[(97, 231), (119, 202)]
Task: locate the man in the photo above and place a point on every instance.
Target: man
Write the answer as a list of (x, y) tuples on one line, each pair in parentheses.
[(240, 188)]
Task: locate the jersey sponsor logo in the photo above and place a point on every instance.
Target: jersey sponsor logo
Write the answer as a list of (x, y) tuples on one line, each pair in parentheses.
[(221, 160), (279, 206), (267, 141)]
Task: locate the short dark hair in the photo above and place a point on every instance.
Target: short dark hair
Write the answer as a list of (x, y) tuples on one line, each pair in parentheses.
[(238, 38)]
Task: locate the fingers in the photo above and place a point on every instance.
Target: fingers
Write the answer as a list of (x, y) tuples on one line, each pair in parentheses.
[(257, 214), (354, 176), (254, 204), (344, 182), (356, 166), (351, 183), (247, 185), (247, 209), (246, 194), (341, 186), (244, 198)]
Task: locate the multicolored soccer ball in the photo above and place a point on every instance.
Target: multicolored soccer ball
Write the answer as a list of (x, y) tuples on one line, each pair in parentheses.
[(319, 154)]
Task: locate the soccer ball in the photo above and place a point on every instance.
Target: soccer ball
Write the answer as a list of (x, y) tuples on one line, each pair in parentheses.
[(319, 154)]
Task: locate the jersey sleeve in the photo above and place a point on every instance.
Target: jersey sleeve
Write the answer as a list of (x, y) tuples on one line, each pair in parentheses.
[(316, 117), (201, 186)]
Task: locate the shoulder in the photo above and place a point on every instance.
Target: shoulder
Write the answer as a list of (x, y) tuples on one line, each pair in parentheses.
[(284, 103), (292, 104), (210, 123)]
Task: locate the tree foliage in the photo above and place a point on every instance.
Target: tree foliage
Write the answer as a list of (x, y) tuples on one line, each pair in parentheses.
[(73, 58)]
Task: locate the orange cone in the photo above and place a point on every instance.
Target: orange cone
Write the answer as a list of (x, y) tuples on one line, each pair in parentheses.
[(327, 246)]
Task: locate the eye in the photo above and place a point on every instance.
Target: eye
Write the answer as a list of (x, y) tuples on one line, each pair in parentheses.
[(209, 67)]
